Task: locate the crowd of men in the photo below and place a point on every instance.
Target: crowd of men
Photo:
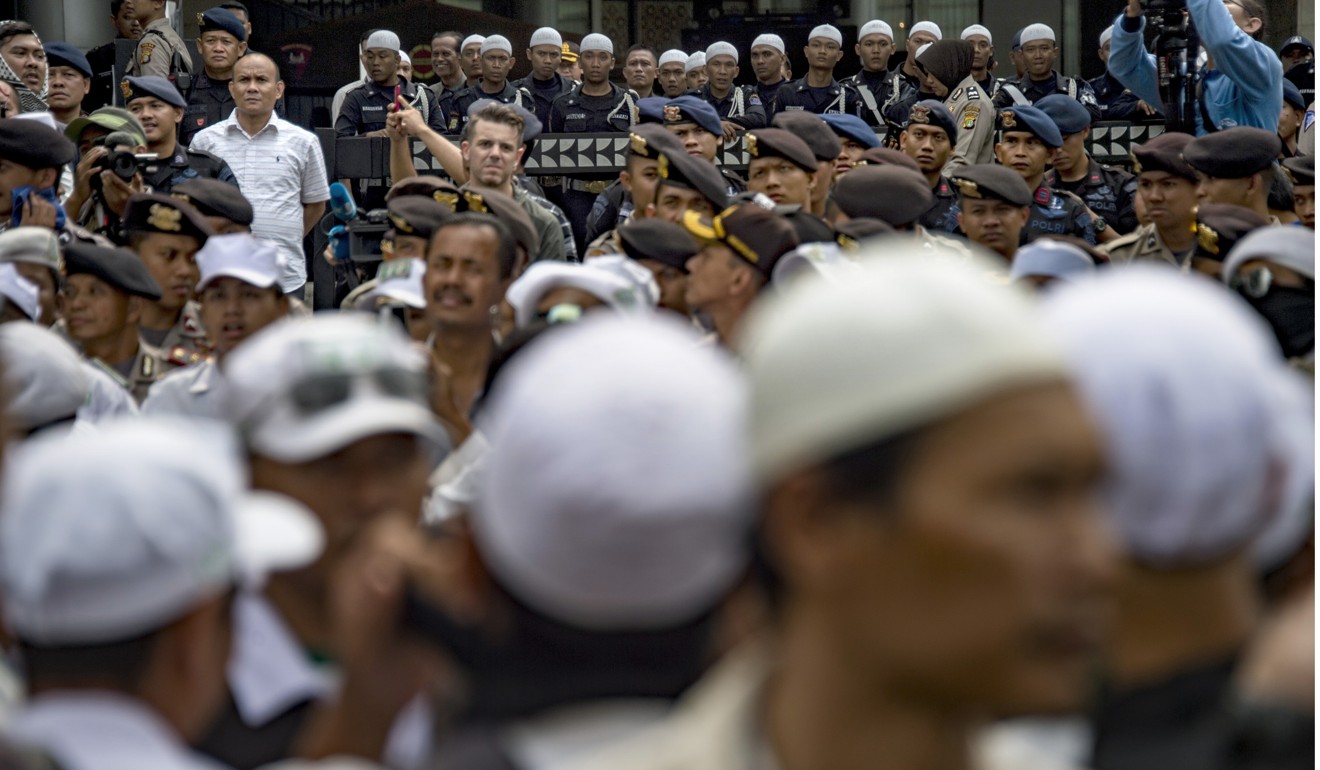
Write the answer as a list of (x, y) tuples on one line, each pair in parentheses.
[(924, 441)]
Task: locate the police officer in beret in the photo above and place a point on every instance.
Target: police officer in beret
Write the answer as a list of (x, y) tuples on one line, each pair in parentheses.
[(994, 205), (104, 296), (1110, 193), (221, 40), (1301, 170), (166, 233), (36, 154), (697, 125), (687, 183), (928, 138), (69, 80), (1028, 138), (1168, 187), (739, 107), (855, 138), (159, 107), (160, 51), (780, 165), (1219, 226), (1236, 166), (630, 196), (222, 205), (664, 248), (906, 196), (825, 147)]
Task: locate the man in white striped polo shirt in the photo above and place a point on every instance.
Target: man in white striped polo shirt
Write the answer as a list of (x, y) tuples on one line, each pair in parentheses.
[(278, 164)]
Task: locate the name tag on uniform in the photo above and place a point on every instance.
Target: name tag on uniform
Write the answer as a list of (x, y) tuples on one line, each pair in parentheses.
[(373, 109), (576, 116)]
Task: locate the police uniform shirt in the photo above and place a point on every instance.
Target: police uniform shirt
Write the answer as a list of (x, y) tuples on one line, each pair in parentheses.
[(189, 164), (768, 94), (366, 107), (612, 208), (1053, 214), (183, 344), (137, 374), (545, 93), (1116, 101), (1110, 192), (974, 117), (836, 98), (942, 216), (209, 102), (457, 115), (1034, 91), (880, 86), (576, 112), (1145, 243), (157, 50), (741, 106)]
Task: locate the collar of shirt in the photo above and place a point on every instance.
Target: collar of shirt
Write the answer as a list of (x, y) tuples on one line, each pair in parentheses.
[(231, 124), (270, 672), (85, 730)]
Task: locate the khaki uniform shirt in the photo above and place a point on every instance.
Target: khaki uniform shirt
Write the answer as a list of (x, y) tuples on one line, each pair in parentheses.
[(974, 115), (186, 343), (149, 365), (156, 49), (1144, 243)]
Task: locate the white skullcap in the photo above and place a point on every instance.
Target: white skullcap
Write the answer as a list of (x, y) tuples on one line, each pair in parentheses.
[(25, 294), (673, 56), (623, 293), (1291, 247), (1052, 259), (922, 50), (156, 521), (614, 493), (497, 43), (695, 61), (405, 58), (1036, 32), (771, 39), (977, 29), (546, 36), (939, 338), (827, 31), (721, 49), (875, 27), (1204, 423), (382, 38), (43, 374), (926, 26), (597, 42), (1107, 35), (472, 40)]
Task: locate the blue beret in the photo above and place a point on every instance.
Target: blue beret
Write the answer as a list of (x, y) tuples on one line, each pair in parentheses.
[(1293, 95), (151, 85), (221, 20), (692, 109), (852, 127), (1066, 112), (1024, 117), (651, 109), (65, 55), (932, 112)]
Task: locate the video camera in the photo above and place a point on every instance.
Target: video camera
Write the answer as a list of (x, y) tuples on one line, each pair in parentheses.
[(122, 162), (1175, 48)]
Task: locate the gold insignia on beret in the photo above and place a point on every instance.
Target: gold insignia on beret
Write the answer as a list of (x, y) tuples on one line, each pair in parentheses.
[(201, 19), (637, 143), (1136, 162), (967, 187), (475, 202), (178, 196), (752, 149), (1288, 173), (164, 218), (447, 198), (1008, 119), (126, 89), (847, 242), (664, 166), (1207, 238), (920, 114), (673, 113), (400, 223)]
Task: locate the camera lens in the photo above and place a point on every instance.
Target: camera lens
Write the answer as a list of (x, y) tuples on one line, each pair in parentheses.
[(123, 164)]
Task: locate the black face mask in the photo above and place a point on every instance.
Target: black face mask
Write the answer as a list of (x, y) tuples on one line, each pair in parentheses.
[(1291, 313)]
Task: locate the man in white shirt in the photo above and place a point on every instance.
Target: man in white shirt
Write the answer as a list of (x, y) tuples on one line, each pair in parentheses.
[(278, 164)]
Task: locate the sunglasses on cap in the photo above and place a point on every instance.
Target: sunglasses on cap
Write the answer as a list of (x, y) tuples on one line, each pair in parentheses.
[(322, 392)]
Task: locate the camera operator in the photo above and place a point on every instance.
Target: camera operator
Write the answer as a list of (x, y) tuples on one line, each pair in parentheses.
[(99, 195), (159, 107), (1242, 81)]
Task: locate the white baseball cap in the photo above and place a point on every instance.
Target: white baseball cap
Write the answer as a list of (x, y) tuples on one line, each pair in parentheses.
[(721, 48), (602, 278), (472, 40), (977, 29), (398, 280), (927, 26), (117, 532), (695, 61), (875, 27), (614, 495), (35, 245), (913, 336), (771, 39), (596, 42), (1052, 259), (497, 43), (827, 31), (44, 376), (25, 294), (251, 260), (305, 387), (382, 38), (673, 56), (546, 36), (1036, 32)]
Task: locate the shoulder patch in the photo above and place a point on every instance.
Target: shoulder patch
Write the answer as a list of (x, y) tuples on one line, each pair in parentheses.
[(973, 93), (145, 50), (970, 114), (754, 99), (1043, 195), (953, 97)]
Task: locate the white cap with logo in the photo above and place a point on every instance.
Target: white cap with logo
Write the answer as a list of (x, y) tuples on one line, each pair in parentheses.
[(250, 259)]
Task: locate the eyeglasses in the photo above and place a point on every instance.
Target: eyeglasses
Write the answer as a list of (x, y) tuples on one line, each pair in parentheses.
[(317, 394)]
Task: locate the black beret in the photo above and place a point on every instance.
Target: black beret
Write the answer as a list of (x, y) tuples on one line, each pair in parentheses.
[(426, 186), (657, 239), (213, 198), (31, 144), (850, 234), (120, 268), (1293, 95), (695, 173), (221, 20), (505, 209), (417, 216), (1301, 170), (778, 143), (756, 234), (809, 227), (987, 180), (1233, 153), (1219, 226), (809, 127), (1028, 119), (932, 112), (156, 213), (887, 156), (64, 55), (151, 86), (894, 194), (1164, 153), (648, 140)]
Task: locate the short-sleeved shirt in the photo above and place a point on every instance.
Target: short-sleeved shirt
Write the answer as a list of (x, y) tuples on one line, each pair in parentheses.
[(281, 169)]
